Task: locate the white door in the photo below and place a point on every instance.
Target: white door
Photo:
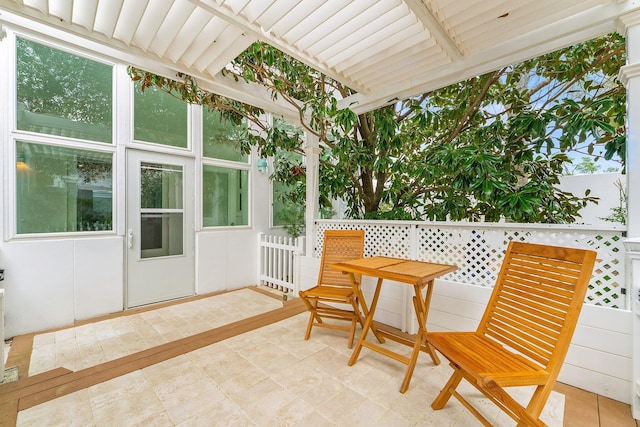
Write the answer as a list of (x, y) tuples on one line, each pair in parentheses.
[(160, 227)]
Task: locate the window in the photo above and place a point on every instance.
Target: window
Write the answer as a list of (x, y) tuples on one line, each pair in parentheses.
[(288, 206), (222, 139), (62, 189), (225, 189), (159, 117), (288, 198), (225, 196), (62, 94), (62, 185)]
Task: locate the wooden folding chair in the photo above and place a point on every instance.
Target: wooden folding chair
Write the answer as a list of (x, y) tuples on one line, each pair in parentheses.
[(525, 332), (335, 287)]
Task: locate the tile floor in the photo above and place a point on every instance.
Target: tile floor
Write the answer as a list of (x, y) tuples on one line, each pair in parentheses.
[(267, 377), (95, 343)]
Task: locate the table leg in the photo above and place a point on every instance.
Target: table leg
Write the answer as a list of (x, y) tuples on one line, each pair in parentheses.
[(368, 323), (363, 304), (421, 308)]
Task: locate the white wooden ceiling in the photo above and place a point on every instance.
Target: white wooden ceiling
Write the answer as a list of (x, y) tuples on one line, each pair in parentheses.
[(383, 49)]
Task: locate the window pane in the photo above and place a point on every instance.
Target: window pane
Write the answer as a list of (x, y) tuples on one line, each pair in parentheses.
[(62, 189), (159, 117), (62, 94), (280, 212), (288, 199), (161, 234), (222, 139), (161, 186), (225, 198)]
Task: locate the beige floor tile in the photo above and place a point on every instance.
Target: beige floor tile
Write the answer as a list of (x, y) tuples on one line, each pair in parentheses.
[(341, 404), (134, 409), (366, 414), (266, 377), (71, 410), (223, 414)]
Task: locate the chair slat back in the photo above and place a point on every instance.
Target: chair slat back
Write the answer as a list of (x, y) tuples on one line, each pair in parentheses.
[(537, 299), (339, 246)]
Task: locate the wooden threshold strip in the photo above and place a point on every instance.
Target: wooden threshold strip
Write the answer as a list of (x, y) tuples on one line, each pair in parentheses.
[(32, 391)]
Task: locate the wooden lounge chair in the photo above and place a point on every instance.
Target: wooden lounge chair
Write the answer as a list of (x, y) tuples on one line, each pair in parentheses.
[(333, 286), (525, 332)]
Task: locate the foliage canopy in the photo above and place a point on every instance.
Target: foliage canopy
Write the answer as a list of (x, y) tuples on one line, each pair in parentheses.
[(490, 147)]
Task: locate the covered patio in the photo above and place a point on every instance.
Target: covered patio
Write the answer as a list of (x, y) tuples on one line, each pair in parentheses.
[(255, 370), (386, 51)]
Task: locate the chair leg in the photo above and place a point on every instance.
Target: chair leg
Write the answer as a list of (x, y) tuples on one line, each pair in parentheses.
[(352, 332), (537, 402), (524, 417), (447, 391), (312, 315)]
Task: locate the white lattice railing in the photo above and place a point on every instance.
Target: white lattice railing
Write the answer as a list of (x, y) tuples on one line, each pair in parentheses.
[(478, 248), (277, 261)]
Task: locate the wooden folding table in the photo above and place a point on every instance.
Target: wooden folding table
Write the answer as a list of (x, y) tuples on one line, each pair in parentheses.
[(416, 273)]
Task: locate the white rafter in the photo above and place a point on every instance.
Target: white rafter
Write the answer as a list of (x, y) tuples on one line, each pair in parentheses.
[(382, 49)]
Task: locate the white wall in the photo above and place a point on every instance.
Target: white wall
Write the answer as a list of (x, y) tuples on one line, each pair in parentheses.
[(50, 283), (226, 260), (601, 186)]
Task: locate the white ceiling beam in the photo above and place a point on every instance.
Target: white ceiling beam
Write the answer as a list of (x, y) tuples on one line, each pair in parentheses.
[(254, 30), (229, 52), (107, 17), (212, 31), (379, 52), (422, 51), (150, 22), (127, 25), (373, 32), (308, 24), (330, 24), (407, 70), (392, 35), (573, 30), (61, 9), (277, 11), (436, 28), (175, 19), (353, 28), (84, 13), (528, 18), (187, 35)]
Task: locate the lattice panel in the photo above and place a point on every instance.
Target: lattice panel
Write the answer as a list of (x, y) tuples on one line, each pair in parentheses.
[(380, 239), (478, 250)]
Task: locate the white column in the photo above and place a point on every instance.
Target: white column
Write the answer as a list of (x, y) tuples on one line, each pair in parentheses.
[(634, 274), (312, 153), (630, 77)]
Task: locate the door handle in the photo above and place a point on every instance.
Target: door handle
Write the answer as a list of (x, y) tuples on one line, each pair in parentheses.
[(130, 238)]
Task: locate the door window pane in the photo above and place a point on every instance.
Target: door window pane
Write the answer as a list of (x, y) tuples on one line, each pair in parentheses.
[(62, 94), (225, 196), (161, 234), (62, 189), (159, 117), (222, 139), (161, 215), (161, 186)]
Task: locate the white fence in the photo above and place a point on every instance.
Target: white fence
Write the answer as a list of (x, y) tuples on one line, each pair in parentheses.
[(477, 248), (277, 261)]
